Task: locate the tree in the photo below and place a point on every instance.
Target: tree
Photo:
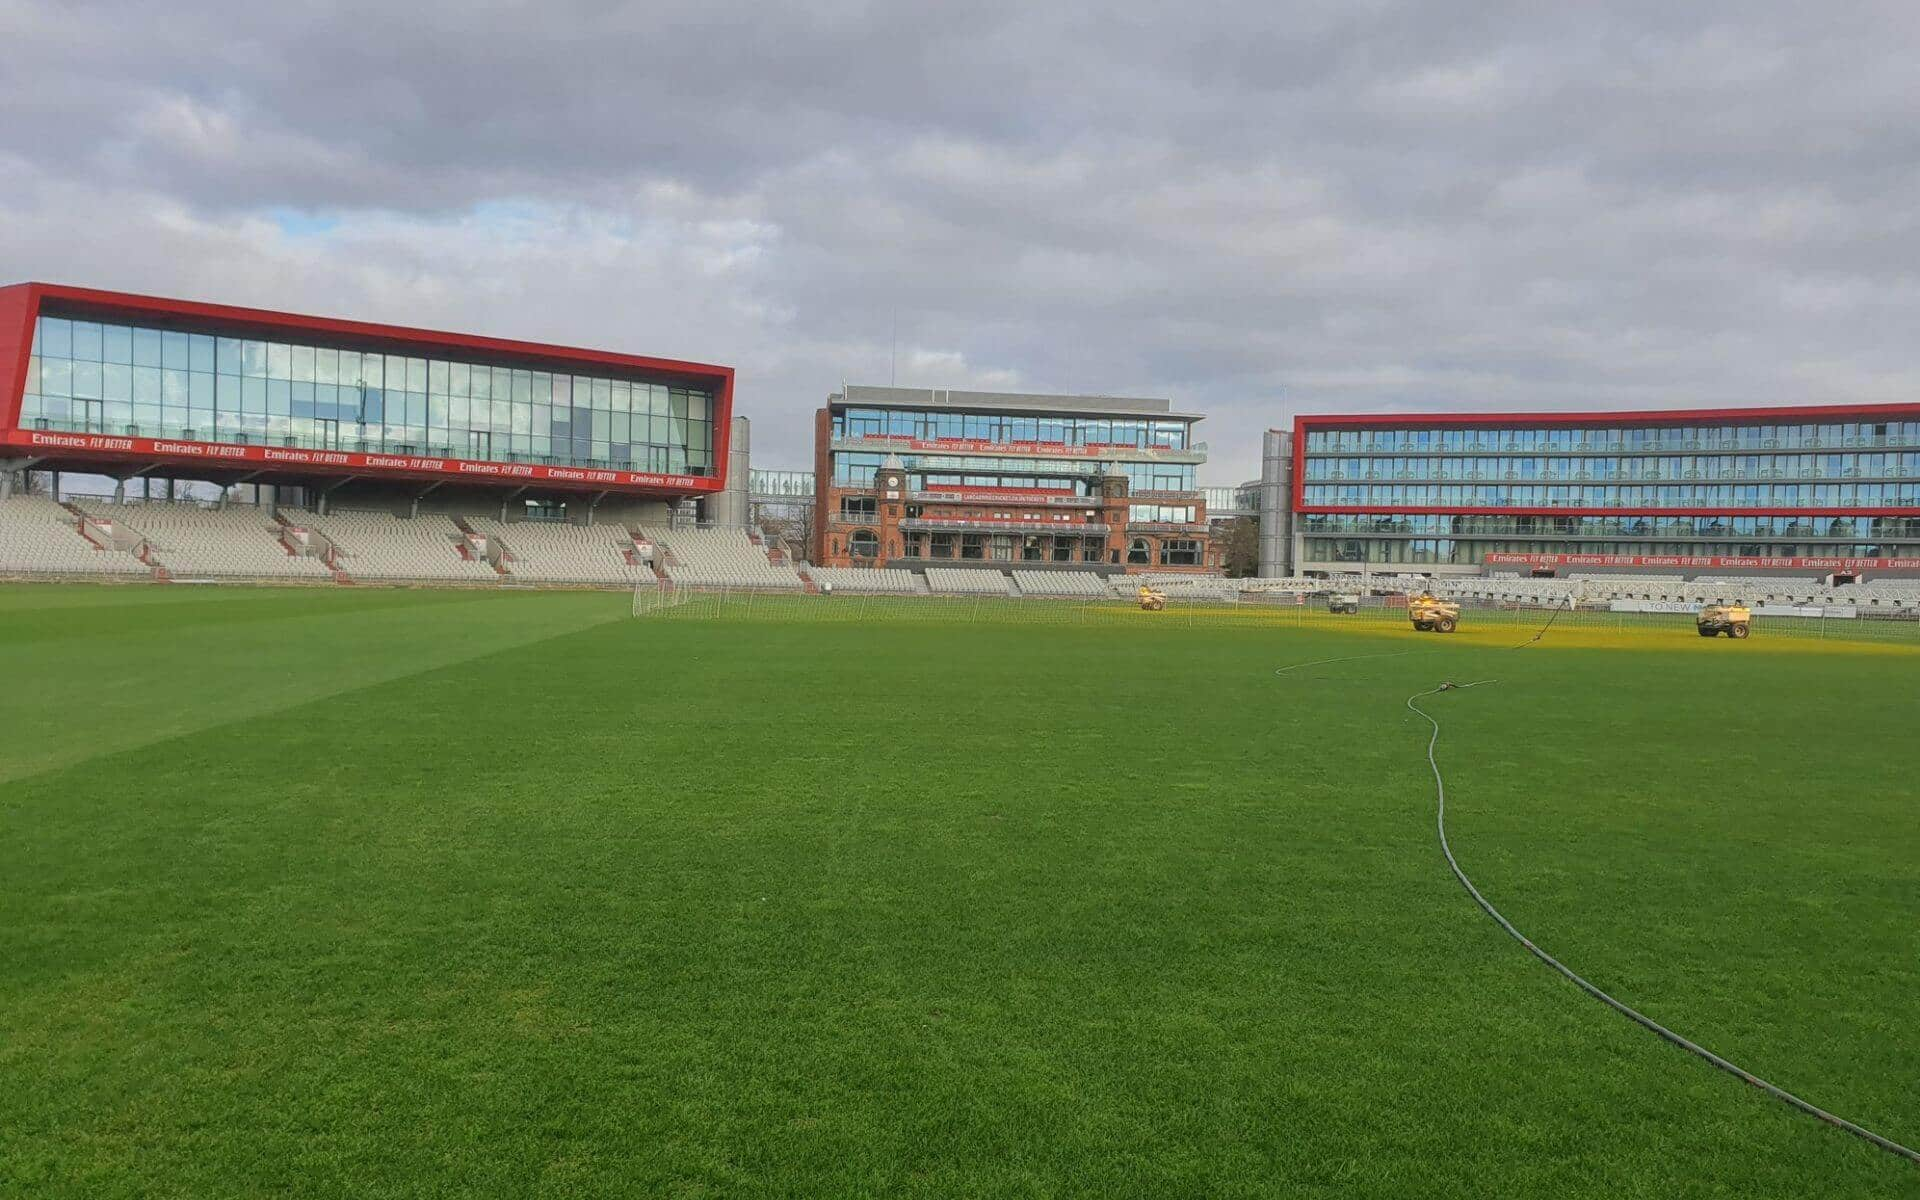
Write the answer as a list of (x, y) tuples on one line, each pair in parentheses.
[(791, 523), (1240, 547)]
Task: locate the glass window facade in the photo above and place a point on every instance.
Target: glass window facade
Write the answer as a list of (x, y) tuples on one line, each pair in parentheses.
[(1026, 547), (1745, 482), (1166, 514), (1467, 540), (1374, 547), (93, 377), (1886, 493), (796, 485), (1180, 552), (1694, 528), (1629, 439), (856, 468), (1139, 432), (1838, 464), (1221, 500)]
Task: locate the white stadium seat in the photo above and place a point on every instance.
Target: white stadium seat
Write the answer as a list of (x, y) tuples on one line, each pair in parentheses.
[(556, 552), (1061, 583), (962, 581), (719, 557), (195, 542), (381, 546), (39, 537), (1190, 587), (875, 580)]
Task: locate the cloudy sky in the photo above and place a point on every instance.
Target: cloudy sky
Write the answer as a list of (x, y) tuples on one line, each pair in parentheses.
[(1256, 209)]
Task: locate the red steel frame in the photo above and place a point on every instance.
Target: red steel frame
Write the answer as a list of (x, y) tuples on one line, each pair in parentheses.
[(1798, 414), (21, 304)]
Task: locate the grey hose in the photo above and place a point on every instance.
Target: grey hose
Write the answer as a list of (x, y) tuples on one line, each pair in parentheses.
[(1632, 1014), (1551, 618), (1321, 662)]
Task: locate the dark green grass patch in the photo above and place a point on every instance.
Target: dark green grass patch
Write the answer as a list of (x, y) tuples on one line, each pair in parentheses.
[(434, 893)]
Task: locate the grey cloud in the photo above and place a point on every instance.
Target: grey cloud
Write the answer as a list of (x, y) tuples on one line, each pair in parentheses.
[(1335, 205)]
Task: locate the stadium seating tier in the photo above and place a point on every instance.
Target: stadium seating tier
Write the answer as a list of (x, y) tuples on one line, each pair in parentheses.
[(40, 537), (555, 552), (719, 557)]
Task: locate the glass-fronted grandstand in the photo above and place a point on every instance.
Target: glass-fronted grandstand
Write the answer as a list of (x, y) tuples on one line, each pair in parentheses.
[(96, 380), (1796, 488), (345, 451)]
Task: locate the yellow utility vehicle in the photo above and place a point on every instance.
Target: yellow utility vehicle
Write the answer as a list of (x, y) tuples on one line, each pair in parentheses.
[(1734, 620), (1152, 599), (1430, 614)]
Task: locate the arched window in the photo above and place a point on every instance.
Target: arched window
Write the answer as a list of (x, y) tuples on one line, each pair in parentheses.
[(1139, 552), (864, 544)]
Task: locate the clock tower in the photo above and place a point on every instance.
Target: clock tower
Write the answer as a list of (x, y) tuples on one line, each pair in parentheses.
[(1113, 489), (890, 499)]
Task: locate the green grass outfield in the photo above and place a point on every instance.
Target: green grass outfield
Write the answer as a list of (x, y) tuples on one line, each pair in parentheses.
[(398, 893)]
